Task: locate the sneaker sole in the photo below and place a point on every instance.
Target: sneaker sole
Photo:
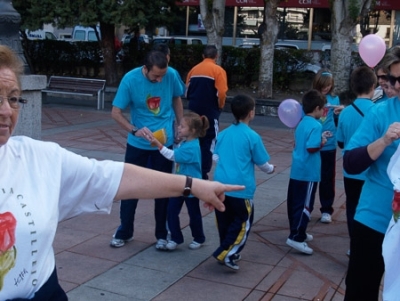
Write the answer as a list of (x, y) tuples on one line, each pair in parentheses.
[(231, 267), (288, 242), (195, 247), (121, 244)]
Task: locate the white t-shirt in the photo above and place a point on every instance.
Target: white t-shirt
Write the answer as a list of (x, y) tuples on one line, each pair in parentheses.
[(40, 185)]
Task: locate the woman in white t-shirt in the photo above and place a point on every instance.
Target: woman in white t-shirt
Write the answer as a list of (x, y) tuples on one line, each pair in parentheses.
[(42, 183)]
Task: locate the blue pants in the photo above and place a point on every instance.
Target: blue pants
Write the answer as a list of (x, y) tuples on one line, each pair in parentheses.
[(158, 162), (234, 226), (327, 184), (196, 220), (352, 188), (300, 204)]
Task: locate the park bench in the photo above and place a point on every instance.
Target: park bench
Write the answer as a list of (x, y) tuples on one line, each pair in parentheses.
[(77, 86)]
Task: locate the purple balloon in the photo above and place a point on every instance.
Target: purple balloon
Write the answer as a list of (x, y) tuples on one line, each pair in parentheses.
[(290, 112)]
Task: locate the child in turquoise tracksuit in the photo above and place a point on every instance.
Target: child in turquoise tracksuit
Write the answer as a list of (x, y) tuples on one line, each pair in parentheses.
[(238, 149), (188, 162), (324, 83), (305, 172)]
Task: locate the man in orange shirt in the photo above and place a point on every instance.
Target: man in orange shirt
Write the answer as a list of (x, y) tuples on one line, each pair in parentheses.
[(207, 85)]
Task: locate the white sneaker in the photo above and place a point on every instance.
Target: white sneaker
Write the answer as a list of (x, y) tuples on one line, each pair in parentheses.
[(194, 245), (326, 218), (299, 246), (118, 243), (161, 244), (309, 237), (171, 245)]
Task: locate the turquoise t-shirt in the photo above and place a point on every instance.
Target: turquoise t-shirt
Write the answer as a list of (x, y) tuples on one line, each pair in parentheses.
[(328, 123), (188, 158), (239, 148), (375, 205), (306, 166), (349, 120), (150, 103)]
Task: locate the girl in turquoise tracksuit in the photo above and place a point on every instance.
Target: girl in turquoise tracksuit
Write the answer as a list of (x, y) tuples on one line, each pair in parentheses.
[(324, 83)]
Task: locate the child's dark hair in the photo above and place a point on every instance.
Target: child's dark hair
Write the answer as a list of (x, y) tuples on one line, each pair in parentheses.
[(323, 79), (198, 123), (347, 97), (311, 100), (241, 106), (362, 80)]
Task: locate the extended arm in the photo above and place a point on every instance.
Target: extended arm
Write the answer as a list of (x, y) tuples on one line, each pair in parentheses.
[(143, 183)]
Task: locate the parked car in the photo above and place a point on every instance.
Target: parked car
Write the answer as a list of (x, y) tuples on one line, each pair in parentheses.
[(144, 38), (177, 40), (81, 33), (40, 35)]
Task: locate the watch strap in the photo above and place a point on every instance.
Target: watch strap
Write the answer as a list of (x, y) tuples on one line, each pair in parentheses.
[(188, 186)]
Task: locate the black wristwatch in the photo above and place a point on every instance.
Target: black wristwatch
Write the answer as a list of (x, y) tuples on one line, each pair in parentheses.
[(134, 130), (188, 186)]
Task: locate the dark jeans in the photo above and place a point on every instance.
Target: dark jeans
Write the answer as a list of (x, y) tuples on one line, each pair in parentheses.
[(300, 204), (158, 162), (50, 291), (327, 184), (196, 220), (352, 188), (366, 264)]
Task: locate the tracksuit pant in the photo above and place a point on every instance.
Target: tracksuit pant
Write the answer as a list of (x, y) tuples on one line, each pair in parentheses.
[(327, 183), (234, 226), (300, 204), (352, 188), (195, 223)]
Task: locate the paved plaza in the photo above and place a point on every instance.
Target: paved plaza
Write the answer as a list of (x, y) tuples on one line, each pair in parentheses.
[(90, 270)]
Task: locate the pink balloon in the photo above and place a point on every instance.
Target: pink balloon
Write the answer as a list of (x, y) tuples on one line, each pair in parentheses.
[(372, 48), (290, 112)]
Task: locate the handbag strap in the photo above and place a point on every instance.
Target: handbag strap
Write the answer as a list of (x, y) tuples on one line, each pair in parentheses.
[(357, 109)]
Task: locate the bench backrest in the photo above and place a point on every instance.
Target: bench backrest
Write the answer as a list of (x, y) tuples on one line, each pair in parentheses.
[(75, 84)]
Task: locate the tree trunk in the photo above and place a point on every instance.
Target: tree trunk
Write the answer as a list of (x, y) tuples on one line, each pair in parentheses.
[(343, 23), (213, 20), (268, 34), (108, 50)]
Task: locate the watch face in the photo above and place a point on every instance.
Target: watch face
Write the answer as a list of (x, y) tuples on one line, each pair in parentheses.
[(186, 191)]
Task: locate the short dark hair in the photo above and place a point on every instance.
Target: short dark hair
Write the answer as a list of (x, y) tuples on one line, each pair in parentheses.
[(162, 48), (210, 51), (362, 80), (156, 58), (241, 106), (311, 100)]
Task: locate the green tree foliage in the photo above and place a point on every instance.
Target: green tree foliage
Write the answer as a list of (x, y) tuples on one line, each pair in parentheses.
[(135, 14)]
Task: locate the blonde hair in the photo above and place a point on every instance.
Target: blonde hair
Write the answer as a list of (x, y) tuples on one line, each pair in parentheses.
[(198, 124), (323, 79), (8, 59)]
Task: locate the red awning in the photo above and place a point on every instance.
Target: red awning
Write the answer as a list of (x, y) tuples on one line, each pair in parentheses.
[(380, 4)]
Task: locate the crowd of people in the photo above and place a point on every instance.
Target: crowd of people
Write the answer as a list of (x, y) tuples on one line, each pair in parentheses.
[(175, 148)]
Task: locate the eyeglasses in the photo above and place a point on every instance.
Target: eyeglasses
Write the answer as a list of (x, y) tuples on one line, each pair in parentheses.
[(13, 101), (393, 79), (383, 77)]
